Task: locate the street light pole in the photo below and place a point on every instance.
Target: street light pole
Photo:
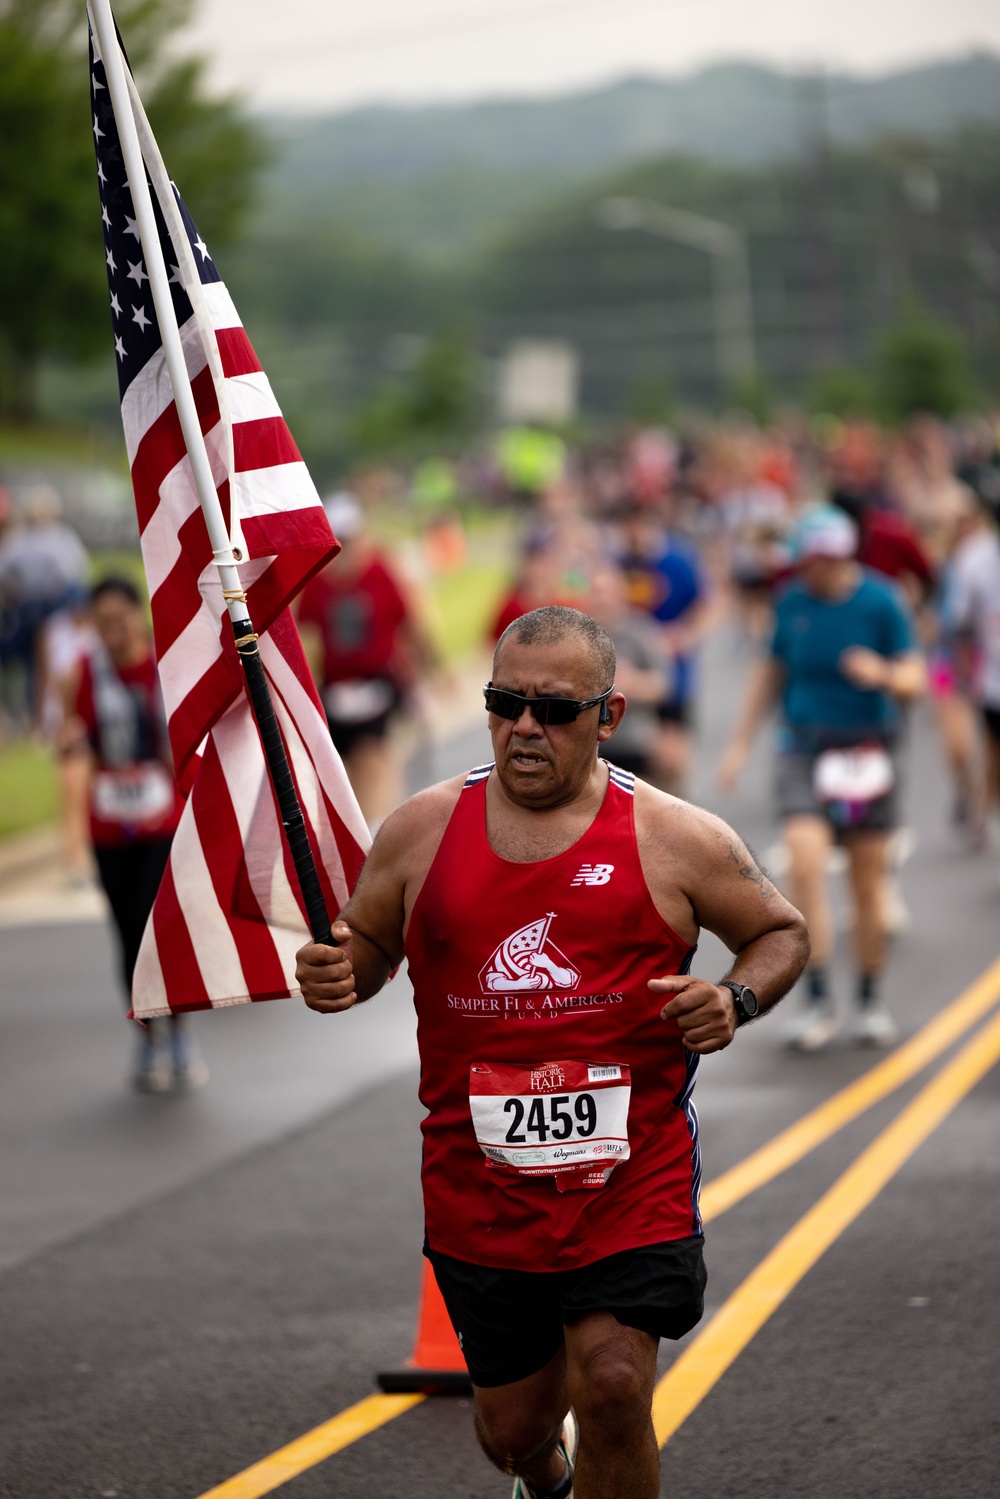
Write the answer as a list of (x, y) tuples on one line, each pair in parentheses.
[(732, 302)]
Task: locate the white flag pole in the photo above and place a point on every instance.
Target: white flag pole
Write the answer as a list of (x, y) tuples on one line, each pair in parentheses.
[(159, 285), (247, 645)]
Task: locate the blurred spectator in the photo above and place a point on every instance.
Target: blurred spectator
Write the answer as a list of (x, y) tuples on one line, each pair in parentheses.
[(434, 493), (924, 483), (664, 580), (643, 672), (537, 582), (857, 467), (756, 518), (530, 460), (951, 688), (117, 725), (651, 464), (561, 524), (973, 613), (362, 635), (43, 567), (888, 542), (66, 640)]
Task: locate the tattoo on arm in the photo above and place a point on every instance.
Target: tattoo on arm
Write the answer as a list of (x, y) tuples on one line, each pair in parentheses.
[(750, 870)]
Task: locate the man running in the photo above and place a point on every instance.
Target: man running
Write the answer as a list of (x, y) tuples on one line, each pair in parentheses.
[(548, 907)]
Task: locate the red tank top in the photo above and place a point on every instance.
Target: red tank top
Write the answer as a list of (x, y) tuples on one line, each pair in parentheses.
[(542, 963)]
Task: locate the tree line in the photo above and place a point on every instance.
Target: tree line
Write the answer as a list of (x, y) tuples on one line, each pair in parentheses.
[(856, 256)]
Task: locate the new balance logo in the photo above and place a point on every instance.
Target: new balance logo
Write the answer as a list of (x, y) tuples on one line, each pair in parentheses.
[(593, 874)]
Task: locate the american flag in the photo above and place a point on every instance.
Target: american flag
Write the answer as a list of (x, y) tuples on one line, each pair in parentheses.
[(228, 916)]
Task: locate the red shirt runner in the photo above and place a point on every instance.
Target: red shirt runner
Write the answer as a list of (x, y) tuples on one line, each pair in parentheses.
[(530, 989), (360, 616), (133, 796)]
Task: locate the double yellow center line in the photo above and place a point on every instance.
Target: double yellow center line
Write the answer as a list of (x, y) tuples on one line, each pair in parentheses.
[(709, 1355)]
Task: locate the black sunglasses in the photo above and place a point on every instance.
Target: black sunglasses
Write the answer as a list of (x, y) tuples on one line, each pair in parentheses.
[(544, 710)]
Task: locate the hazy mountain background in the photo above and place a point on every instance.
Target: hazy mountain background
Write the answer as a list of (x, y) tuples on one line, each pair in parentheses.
[(443, 179), (395, 254)]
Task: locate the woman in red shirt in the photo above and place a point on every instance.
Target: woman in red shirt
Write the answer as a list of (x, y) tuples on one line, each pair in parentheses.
[(367, 648), (116, 719)]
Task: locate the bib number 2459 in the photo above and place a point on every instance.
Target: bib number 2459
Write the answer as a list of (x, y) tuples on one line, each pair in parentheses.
[(563, 1119), (550, 1118)]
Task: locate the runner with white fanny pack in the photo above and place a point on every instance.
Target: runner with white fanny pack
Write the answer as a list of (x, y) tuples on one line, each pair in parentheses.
[(842, 660)]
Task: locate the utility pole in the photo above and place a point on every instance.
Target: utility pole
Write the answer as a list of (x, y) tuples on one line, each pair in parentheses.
[(825, 324), (732, 301)]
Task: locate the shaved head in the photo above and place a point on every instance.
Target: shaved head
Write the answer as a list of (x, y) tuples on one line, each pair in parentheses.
[(555, 624)]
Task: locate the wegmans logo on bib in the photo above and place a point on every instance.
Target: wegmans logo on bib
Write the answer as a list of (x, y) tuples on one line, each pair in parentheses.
[(568, 1120)]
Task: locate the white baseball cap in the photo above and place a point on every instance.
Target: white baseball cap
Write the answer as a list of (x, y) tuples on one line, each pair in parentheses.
[(824, 531), (344, 513)]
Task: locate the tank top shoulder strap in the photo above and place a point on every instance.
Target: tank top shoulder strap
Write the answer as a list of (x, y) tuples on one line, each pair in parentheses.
[(624, 780)]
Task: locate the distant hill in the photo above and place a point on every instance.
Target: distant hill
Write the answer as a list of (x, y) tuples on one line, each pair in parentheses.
[(446, 177), (738, 112)]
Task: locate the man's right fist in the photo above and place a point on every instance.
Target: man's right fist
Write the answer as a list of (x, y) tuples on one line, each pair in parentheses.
[(326, 974)]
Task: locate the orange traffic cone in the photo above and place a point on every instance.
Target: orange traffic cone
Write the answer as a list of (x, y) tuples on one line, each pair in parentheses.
[(436, 1366)]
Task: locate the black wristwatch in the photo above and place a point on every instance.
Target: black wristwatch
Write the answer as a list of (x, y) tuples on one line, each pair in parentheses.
[(744, 1001)]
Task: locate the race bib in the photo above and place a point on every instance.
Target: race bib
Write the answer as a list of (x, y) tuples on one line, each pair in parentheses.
[(357, 702), (862, 774), (135, 795), (567, 1120)]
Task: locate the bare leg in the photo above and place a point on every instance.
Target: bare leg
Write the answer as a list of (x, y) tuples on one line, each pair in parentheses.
[(518, 1425), (809, 840), (869, 868), (373, 769), (992, 777), (611, 1371), (608, 1372), (73, 774), (672, 757), (957, 723)]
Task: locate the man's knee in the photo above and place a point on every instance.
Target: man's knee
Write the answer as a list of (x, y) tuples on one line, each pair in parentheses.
[(612, 1395), (514, 1437)]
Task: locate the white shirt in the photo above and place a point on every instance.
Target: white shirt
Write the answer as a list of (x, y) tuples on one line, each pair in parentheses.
[(975, 605)]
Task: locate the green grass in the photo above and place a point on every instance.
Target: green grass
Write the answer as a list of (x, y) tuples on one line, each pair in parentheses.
[(28, 791), (53, 445), (463, 605)]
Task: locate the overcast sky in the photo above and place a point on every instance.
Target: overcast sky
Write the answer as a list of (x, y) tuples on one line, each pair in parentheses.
[(328, 54)]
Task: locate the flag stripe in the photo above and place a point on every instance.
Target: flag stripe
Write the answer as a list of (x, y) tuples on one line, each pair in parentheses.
[(252, 399), (203, 912), (180, 965), (263, 443), (162, 446), (236, 352), (273, 496), (263, 844)]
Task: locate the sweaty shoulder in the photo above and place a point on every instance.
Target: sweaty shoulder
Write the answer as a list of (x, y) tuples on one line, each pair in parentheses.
[(397, 865), (420, 821), (685, 852), (677, 829), (410, 837)]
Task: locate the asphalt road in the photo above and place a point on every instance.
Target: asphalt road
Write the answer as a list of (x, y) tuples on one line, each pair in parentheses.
[(188, 1284)]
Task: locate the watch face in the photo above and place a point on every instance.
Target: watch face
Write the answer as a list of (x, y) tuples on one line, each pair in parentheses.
[(748, 1000)]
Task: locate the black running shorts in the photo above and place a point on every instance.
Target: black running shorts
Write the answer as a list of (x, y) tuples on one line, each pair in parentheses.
[(510, 1322)]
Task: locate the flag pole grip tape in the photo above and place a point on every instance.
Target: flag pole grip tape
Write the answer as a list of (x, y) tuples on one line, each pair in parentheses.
[(289, 807)]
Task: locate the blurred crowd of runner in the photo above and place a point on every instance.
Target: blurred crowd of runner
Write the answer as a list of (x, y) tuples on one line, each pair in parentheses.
[(856, 569)]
